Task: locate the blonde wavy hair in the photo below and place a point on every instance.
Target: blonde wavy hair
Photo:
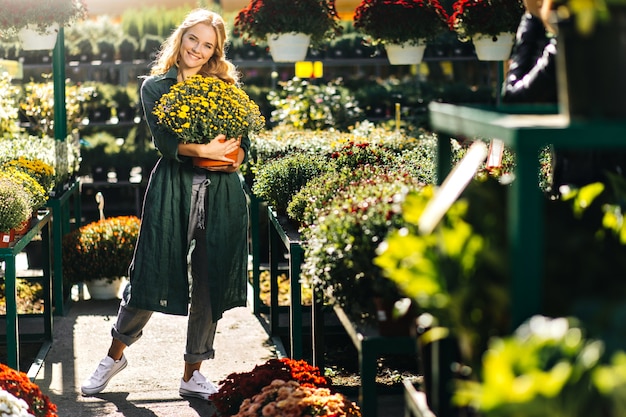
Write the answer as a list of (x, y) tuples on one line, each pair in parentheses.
[(217, 66)]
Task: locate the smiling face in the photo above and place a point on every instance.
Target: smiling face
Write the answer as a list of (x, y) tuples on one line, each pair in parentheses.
[(197, 47)]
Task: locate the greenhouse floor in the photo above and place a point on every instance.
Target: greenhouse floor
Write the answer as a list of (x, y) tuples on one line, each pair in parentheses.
[(148, 387)]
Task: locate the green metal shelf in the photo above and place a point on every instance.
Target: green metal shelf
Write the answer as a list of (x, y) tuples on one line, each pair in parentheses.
[(8, 255), (525, 133)]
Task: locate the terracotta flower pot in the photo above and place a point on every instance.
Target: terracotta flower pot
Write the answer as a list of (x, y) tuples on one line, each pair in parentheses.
[(23, 227), (205, 162)]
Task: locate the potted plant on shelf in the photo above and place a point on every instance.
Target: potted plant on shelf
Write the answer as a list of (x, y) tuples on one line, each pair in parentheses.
[(288, 26), (100, 253), (38, 21), (14, 209), (489, 24), (403, 27)]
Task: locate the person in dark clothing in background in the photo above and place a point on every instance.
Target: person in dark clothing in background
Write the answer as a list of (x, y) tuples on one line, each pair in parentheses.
[(531, 78)]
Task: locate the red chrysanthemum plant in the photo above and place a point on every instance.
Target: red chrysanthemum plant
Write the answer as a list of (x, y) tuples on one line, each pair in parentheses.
[(239, 386)]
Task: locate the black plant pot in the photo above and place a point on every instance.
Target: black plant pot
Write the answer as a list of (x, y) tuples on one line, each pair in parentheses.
[(34, 254), (590, 69)]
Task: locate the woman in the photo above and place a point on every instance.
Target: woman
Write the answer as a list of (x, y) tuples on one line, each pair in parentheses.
[(185, 208)]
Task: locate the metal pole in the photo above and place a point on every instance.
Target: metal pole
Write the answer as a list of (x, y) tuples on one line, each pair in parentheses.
[(58, 77)]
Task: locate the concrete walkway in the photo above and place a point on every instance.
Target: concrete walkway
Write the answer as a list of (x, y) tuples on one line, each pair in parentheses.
[(148, 387)]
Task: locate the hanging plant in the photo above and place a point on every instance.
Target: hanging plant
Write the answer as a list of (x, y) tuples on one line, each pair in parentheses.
[(400, 21), (260, 18), (17, 14)]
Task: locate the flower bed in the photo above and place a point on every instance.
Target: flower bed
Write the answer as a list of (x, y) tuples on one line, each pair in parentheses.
[(237, 387)]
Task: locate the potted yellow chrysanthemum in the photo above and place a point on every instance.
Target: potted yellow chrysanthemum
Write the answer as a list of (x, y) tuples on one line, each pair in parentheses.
[(200, 108)]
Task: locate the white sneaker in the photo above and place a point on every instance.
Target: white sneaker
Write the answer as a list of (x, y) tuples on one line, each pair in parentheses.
[(197, 386), (107, 369)]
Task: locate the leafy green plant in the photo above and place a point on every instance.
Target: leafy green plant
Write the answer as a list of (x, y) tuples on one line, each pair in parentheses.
[(102, 249), (315, 194), (548, 367), (305, 105), (459, 272), (341, 244), (584, 247), (14, 204), (352, 162), (8, 105), (278, 181), (37, 105), (352, 155)]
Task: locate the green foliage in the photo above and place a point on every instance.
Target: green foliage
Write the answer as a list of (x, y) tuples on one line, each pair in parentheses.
[(358, 161), (102, 249), (342, 243), (277, 181), (95, 34), (315, 195), (156, 21), (8, 106), (352, 155), (37, 105), (420, 161), (458, 273), (547, 368), (309, 106), (14, 204), (284, 140)]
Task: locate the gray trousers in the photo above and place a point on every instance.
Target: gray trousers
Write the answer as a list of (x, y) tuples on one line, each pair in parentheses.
[(200, 326)]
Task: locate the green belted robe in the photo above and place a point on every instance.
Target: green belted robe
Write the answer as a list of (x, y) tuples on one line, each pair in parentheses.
[(159, 274)]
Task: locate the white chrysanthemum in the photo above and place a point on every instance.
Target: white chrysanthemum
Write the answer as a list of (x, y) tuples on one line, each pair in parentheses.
[(11, 406)]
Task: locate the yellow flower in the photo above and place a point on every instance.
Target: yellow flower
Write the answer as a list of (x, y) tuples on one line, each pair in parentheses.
[(200, 108)]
